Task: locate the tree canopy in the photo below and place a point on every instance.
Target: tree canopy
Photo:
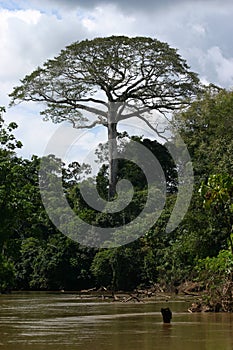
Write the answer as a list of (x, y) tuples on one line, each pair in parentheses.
[(108, 80), (207, 128), (144, 72)]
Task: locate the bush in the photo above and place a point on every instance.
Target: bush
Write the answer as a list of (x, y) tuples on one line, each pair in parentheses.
[(7, 275), (217, 274)]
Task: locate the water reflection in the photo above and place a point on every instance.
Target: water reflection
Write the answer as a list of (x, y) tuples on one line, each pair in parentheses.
[(166, 330), (52, 321)]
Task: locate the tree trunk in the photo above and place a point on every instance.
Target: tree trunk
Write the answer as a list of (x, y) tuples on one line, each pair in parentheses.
[(112, 154)]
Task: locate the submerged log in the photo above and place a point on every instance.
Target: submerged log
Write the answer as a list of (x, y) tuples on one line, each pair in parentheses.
[(167, 315)]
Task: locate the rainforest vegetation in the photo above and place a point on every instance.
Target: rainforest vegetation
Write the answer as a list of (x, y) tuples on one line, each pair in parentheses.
[(35, 255)]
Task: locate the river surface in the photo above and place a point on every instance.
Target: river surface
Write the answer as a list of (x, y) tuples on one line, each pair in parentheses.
[(50, 321)]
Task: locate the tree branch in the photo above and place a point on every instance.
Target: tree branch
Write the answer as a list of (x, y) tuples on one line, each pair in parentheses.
[(92, 125), (93, 100), (139, 115)]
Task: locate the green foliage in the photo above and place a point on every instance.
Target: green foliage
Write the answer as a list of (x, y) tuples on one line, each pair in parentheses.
[(169, 257), (10, 189), (207, 128), (36, 256), (7, 139), (119, 268), (102, 269), (128, 169), (218, 192), (220, 266), (216, 274), (217, 197), (21, 208), (53, 264), (7, 275)]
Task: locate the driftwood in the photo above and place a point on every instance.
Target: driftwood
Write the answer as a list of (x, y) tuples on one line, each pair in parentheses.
[(115, 297), (138, 295), (132, 297), (101, 289), (150, 291), (190, 288), (88, 290)]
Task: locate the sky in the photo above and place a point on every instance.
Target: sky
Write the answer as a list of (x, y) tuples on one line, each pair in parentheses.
[(33, 31)]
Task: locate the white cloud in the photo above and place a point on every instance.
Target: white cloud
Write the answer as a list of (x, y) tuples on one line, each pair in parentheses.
[(32, 131), (11, 22), (107, 20), (223, 65), (28, 38), (214, 66), (199, 29), (84, 147)]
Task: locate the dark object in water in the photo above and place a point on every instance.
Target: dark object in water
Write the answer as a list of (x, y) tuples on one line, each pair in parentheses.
[(167, 315)]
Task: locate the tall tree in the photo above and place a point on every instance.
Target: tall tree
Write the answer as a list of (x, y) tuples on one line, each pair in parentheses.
[(113, 79)]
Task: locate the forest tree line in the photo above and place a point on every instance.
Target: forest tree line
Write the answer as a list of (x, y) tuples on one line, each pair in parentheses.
[(34, 255)]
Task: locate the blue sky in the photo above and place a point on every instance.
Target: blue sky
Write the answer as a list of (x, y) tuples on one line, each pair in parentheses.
[(33, 31)]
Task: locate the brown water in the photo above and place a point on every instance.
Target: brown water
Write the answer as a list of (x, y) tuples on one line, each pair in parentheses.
[(39, 321)]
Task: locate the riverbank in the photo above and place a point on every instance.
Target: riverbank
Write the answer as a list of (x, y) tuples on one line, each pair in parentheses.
[(197, 297)]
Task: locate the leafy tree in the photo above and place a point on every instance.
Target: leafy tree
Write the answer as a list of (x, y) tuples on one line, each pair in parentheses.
[(128, 169), (8, 144), (53, 264), (207, 128), (7, 275), (159, 261), (7, 139), (119, 268), (216, 274), (136, 176), (217, 196), (102, 269), (113, 79)]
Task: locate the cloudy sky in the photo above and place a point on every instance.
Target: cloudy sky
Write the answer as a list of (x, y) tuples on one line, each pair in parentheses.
[(33, 31)]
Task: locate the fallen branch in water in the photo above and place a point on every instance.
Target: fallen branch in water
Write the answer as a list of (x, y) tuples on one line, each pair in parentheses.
[(132, 297)]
